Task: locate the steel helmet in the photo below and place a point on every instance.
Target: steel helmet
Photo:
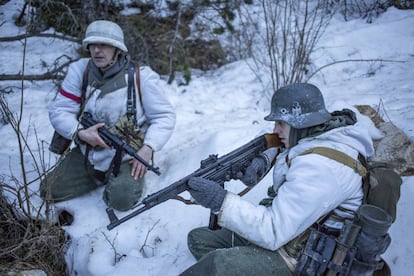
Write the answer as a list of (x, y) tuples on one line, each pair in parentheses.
[(300, 105), (104, 32)]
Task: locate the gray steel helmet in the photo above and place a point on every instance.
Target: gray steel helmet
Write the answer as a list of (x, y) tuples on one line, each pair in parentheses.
[(104, 32), (300, 105)]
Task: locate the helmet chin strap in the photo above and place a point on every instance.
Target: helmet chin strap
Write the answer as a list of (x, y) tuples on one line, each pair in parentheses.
[(113, 60)]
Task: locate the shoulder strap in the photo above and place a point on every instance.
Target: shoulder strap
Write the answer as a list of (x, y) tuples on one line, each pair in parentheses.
[(131, 102), (83, 88), (340, 157), (358, 165), (138, 82)]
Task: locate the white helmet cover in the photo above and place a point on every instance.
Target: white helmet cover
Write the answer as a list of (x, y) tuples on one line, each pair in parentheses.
[(104, 32)]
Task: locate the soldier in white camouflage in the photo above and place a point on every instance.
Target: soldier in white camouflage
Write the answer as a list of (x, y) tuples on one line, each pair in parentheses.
[(146, 121)]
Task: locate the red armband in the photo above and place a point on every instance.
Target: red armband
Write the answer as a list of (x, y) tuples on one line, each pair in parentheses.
[(70, 96)]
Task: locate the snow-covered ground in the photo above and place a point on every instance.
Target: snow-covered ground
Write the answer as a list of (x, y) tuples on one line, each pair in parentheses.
[(219, 111)]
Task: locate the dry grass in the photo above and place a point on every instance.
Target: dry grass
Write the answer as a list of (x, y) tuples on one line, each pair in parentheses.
[(27, 244)]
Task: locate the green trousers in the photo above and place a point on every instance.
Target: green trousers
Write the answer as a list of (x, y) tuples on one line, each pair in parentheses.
[(72, 178), (222, 252)]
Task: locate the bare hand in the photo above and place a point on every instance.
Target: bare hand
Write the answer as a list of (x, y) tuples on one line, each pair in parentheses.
[(91, 136), (138, 169)]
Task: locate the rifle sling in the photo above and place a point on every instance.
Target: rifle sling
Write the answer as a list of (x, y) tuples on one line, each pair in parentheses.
[(190, 202), (116, 162)]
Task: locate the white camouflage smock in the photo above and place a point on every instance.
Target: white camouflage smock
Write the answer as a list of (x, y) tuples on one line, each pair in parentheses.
[(311, 187), (156, 115)]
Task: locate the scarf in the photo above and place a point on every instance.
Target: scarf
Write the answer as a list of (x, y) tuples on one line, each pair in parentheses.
[(342, 118)]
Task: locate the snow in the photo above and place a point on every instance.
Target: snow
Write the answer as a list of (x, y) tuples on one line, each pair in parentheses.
[(216, 113)]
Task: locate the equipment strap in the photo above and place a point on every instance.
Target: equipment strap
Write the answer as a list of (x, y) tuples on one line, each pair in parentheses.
[(359, 165), (138, 83), (339, 157), (133, 68), (131, 101)]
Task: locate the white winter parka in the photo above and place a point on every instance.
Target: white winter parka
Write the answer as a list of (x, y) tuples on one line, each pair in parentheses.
[(155, 116), (311, 187)]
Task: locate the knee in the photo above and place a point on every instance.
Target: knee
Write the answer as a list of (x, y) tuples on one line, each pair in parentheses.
[(200, 241), (122, 197), (193, 234), (120, 201), (193, 243)]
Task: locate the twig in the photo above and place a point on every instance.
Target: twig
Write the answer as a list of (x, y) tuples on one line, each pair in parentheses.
[(53, 74), (174, 40), (53, 35), (117, 256), (381, 106), (142, 249), (350, 60)]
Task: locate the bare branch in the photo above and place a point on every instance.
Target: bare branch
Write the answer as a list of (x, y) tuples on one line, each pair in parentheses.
[(52, 35), (117, 256), (142, 249), (56, 73), (350, 60), (291, 31)]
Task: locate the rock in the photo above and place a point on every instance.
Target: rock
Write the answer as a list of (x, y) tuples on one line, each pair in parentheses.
[(394, 146)]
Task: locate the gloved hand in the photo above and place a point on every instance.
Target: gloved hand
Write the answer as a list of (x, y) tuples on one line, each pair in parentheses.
[(254, 172), (207, 193)]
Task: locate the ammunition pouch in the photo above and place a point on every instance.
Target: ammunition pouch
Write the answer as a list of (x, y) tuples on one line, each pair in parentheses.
[(356, 251), (59, 144), (295, 247), (126, 130), (316, 254)]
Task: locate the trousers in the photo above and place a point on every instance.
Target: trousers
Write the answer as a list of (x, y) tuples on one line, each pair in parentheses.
[(223, 252), (72, 178)]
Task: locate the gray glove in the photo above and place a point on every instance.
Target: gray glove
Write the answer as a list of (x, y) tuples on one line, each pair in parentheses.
[(207, 193), (254, 172)]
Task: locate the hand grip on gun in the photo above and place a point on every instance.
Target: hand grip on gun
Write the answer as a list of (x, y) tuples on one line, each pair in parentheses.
[(91, 136)]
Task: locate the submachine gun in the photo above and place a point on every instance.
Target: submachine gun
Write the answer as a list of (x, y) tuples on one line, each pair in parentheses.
[(115, 142), (218, 169)]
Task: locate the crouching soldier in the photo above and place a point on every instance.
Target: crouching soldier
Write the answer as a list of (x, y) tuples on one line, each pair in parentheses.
[(310, 191), (124, 98)]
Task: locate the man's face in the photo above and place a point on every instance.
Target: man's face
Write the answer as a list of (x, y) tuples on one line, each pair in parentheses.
[(102, 55), (283, 130)]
